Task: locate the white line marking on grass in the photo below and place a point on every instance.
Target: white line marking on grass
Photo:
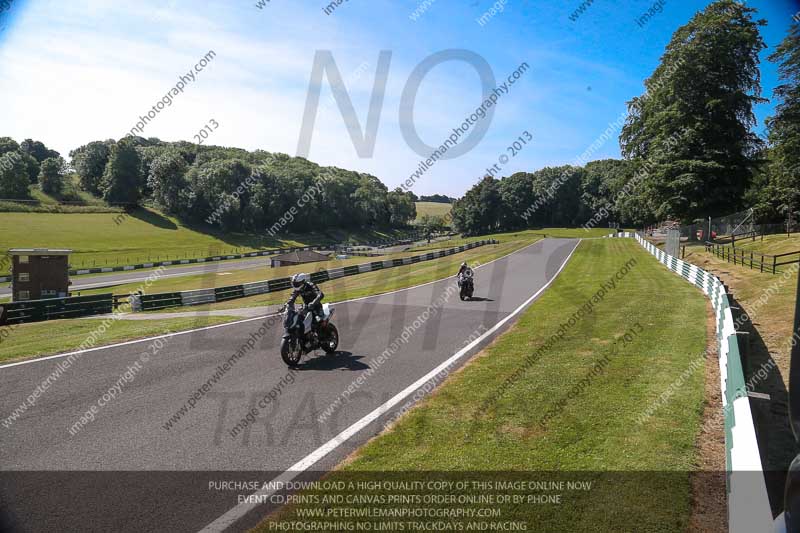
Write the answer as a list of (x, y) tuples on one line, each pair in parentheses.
[(229, 518), (237, 322)]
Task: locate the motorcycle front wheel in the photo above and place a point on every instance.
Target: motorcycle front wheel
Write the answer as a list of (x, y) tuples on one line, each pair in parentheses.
[(330, 340), (291, 352)]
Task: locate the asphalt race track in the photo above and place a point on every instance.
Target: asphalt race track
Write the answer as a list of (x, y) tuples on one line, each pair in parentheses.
[(125, 472)]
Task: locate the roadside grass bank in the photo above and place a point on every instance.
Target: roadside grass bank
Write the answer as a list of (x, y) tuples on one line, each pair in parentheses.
[(38, 339), (523, 407), (772, 244), (145, 235)]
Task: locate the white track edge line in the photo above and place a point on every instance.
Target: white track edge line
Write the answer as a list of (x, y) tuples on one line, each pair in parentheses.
[(237, 512), (235, 322)]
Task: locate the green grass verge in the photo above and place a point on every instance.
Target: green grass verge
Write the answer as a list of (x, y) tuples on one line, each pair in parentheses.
[(597, 430), (28, 341)]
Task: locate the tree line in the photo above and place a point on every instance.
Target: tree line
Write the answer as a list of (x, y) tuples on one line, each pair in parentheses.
[(231, 187), (688, 146)]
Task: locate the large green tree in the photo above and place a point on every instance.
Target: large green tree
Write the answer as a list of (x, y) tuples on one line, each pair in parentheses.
[(51, 175), (692, 127), (401, 206), (122, 181), (167, 181), (479, 211), (7, 144), (37, 150), (14, 179), (90, 162), (784, 126)]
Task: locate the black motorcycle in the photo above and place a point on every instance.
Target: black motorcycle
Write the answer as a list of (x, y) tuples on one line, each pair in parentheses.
[(466, 285), (303, 333)]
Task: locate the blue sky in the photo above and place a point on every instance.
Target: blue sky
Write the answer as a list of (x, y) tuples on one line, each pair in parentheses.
[(87, 70)]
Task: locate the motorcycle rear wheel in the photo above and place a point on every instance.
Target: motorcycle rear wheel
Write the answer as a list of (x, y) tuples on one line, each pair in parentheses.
[(330, 340), (291, 352)]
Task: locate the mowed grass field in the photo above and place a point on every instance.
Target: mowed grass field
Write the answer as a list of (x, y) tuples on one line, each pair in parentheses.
[(111, 239), (490, 416), (432, 209)]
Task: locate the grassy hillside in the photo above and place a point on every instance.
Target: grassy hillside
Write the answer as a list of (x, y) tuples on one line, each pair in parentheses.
[(432, 209), (106, 239), (772, 244), (490, 417)]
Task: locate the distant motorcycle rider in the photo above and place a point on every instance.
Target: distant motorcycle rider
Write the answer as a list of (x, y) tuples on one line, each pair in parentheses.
[(311, 294)]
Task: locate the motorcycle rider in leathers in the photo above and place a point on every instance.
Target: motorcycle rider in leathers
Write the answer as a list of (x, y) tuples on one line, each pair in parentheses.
[(310, 293)]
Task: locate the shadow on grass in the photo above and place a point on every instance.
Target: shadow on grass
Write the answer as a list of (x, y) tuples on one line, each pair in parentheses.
[(153, 218), (770, 415)]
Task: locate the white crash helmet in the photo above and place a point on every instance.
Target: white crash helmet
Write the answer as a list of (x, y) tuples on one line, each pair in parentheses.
[(298, 280)]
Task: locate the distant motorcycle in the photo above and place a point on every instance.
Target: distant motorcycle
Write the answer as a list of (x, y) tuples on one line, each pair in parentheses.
[(466, 285), (304, 333)]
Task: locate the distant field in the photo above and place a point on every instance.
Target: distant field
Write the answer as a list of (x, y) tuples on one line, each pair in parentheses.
[(107, 239), (432, 209)]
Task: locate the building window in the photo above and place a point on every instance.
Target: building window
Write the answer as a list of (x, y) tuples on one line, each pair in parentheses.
[(23, 276), (48, 292), (24, 295), (23, 259)]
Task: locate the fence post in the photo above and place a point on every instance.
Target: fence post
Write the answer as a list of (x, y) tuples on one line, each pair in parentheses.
[(774, 261)]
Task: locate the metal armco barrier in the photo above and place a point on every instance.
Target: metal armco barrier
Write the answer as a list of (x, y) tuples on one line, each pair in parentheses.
[(748, 505), (55, 308), (151, 302)]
